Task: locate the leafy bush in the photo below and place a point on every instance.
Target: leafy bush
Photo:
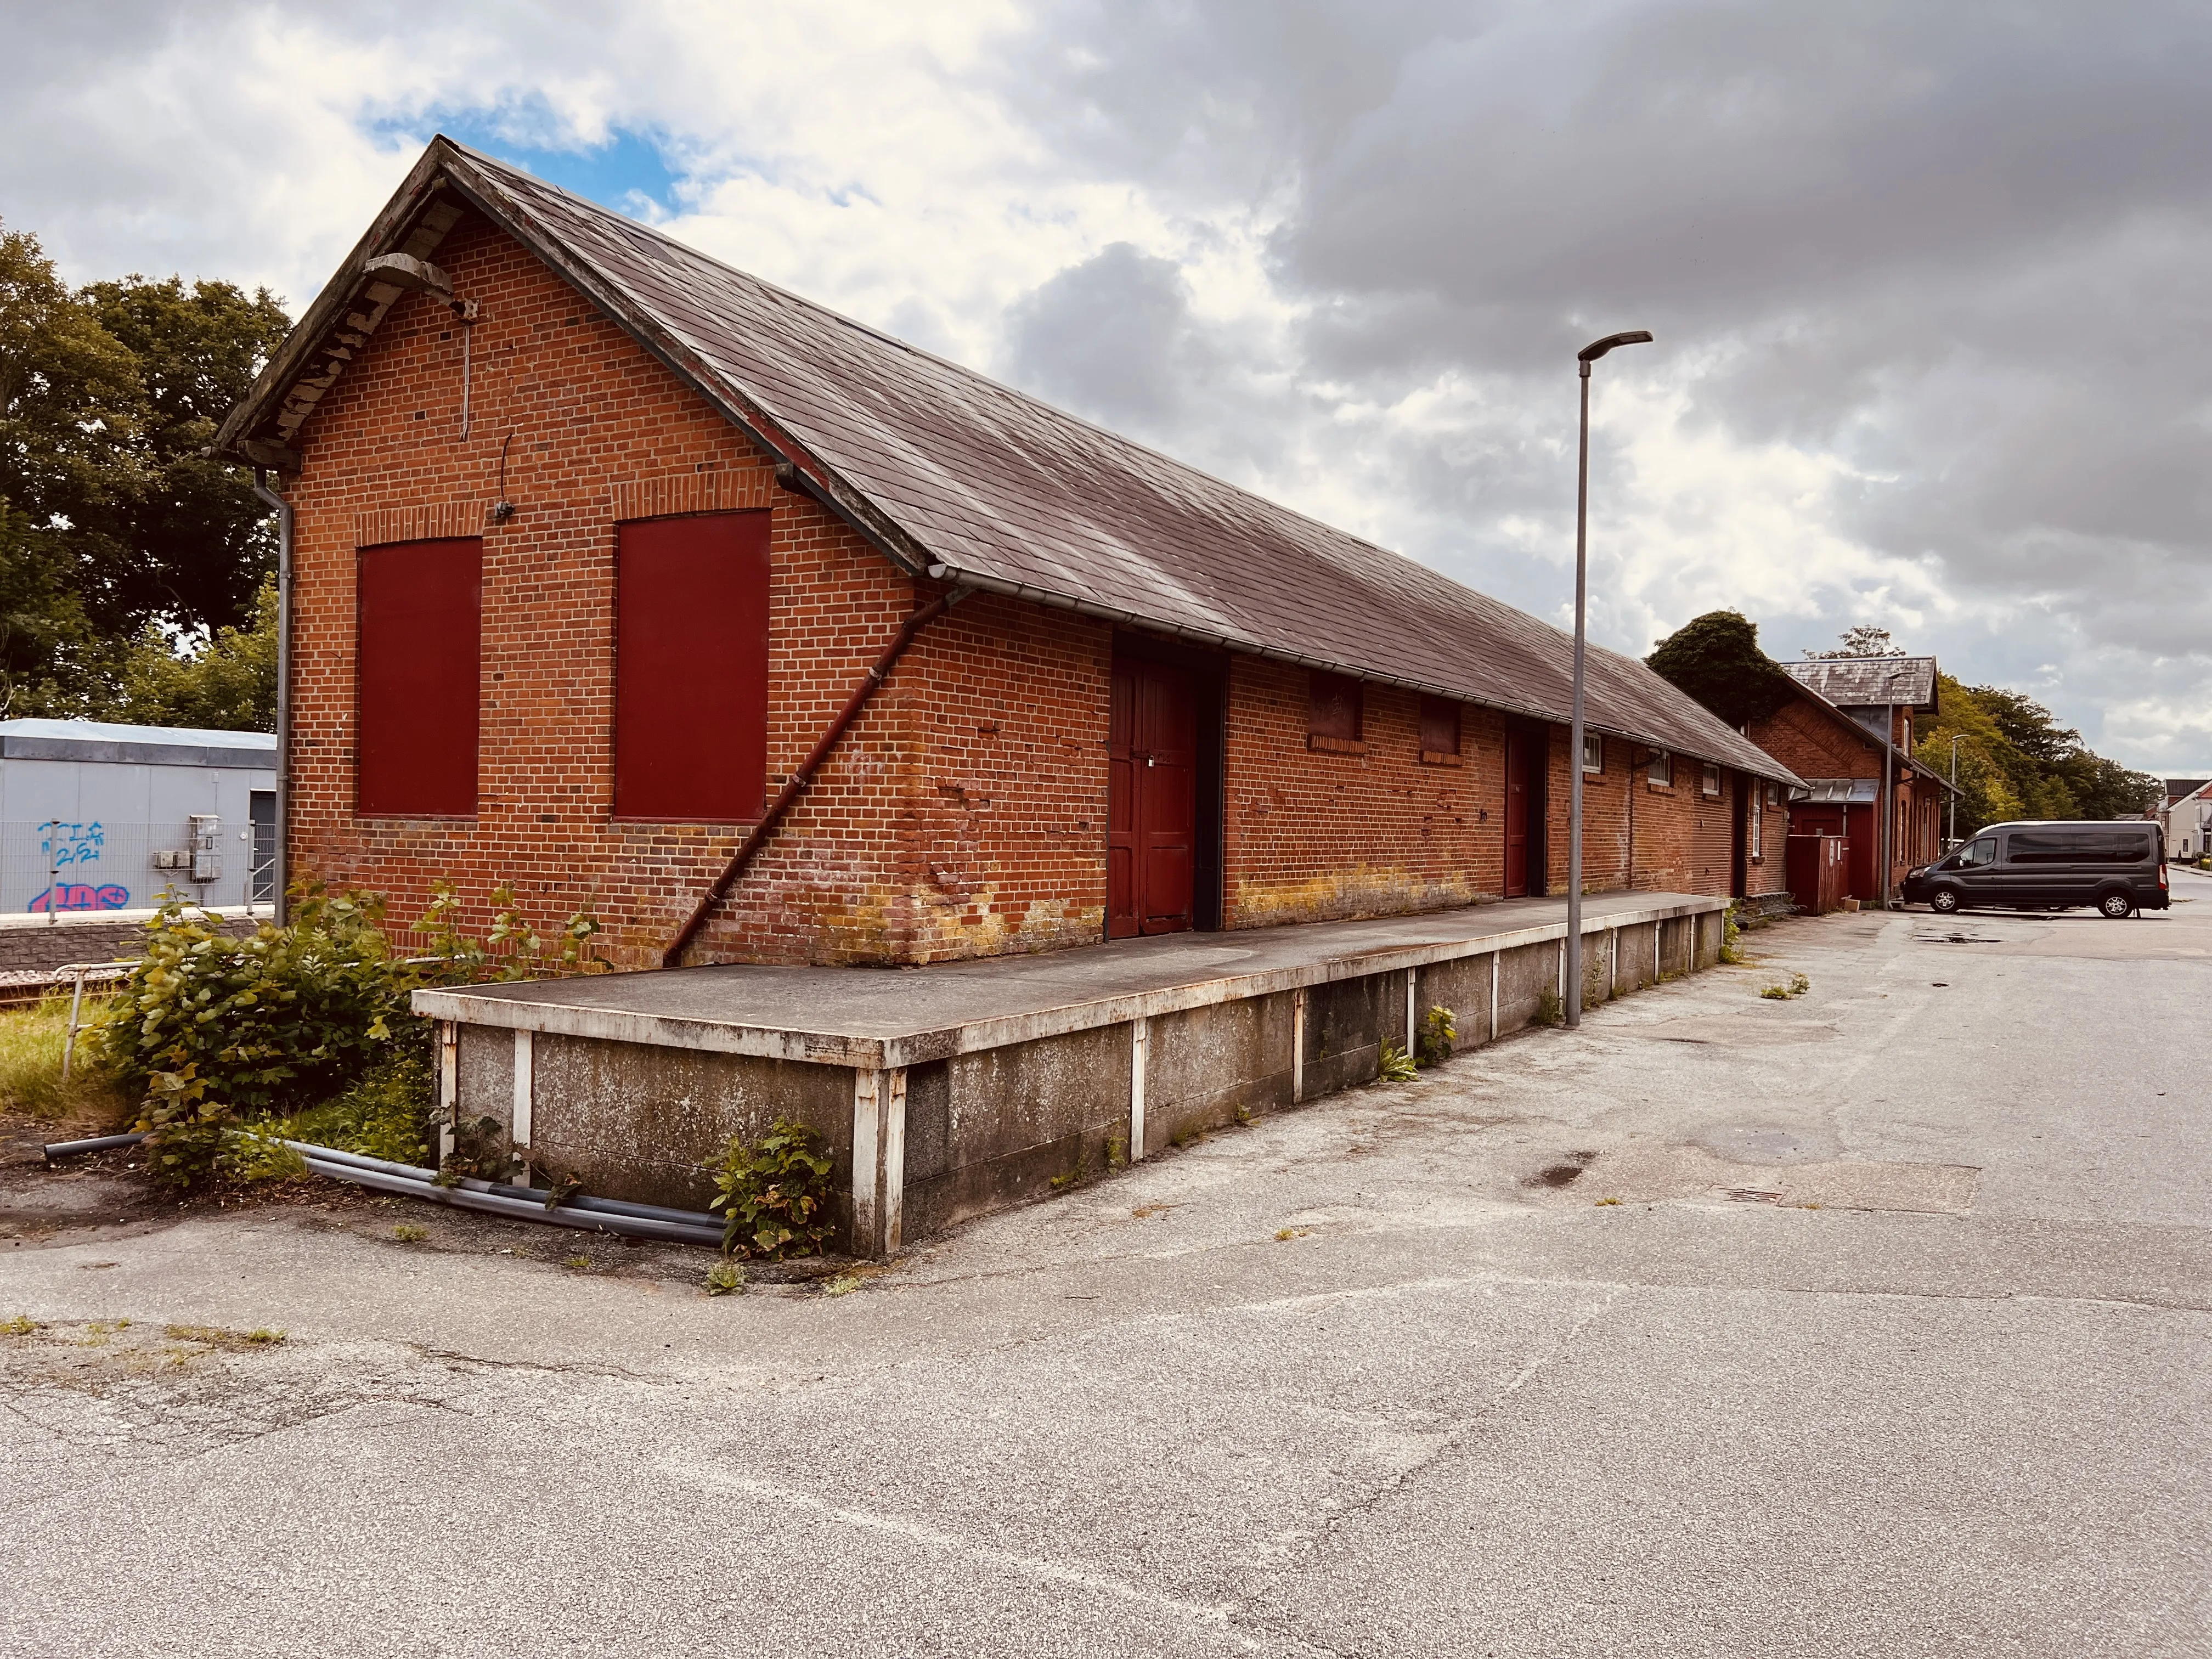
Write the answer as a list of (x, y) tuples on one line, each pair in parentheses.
[(1396, 1065), (308, 1023), (775, 1192)]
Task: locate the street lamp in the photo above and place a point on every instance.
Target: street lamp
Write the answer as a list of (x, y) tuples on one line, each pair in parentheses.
[(1588, 355), (1953, 836)]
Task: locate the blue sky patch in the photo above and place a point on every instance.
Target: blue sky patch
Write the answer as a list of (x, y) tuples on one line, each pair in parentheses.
[(618, 174)]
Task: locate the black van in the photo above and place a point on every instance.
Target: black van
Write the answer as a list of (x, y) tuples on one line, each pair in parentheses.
[(2118, 867)]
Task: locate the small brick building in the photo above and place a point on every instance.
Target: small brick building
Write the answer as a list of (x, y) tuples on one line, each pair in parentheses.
[(1848, 732), (597, 541)]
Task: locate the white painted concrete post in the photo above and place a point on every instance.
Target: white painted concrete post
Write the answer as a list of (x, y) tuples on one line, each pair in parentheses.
[(525, 1090), (1611, 962), (867, 1154), (1658, 951), (1563, 973), (894, 1160), (1412, 1043), (1298, 1044), (1140, 1053), (1494, 955), (449, 1085)]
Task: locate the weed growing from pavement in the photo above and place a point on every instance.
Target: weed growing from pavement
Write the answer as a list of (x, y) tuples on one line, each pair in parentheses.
[(262, 1337), (775, 1193), (1184, 1136), (1550, 1010), (577, 1261), (1796, 986), (725, 1279), (21, 1325), (408, 1233), (1438, 1035), (1117, 1151), (1243, 1115), (1285, 1235), (1603, 1202), (1395, 1065), (843, 1285)]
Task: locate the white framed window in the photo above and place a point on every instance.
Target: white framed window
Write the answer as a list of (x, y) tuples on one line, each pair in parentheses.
[(1662, 769), (1711, 782), (1758, 839), (1593, 752)]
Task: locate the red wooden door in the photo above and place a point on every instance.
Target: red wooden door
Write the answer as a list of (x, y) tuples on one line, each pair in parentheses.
[(1516, 816), (1152, 808)]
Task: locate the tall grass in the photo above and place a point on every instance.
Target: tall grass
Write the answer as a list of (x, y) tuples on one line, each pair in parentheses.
[(31, 1042)]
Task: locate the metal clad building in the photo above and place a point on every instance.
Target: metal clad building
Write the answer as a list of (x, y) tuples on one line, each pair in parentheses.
[(96, 816)]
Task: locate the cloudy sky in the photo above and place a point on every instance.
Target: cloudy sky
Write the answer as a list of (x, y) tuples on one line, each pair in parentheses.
[(1929, 283)]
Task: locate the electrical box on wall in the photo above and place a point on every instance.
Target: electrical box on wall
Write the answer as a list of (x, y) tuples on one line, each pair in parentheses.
[(207, 847)]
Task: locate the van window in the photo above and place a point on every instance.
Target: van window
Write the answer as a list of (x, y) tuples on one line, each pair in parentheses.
[(1976, 854), (2078, 846)]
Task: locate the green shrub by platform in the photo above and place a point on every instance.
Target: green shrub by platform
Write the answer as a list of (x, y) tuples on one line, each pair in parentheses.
[(1439, 1035), (776, 1193), (215, 1028), (308, 1023)]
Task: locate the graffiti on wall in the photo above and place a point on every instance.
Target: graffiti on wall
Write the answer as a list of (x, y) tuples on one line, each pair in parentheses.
[(66, 846), (81, 896)]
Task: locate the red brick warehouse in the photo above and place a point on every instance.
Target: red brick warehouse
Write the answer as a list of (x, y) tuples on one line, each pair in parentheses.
[(596, 539)]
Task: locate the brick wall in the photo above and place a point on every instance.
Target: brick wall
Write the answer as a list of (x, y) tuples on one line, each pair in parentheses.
[(963, 814)]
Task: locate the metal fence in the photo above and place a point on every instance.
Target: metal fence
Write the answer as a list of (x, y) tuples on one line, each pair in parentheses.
[(93, 865)]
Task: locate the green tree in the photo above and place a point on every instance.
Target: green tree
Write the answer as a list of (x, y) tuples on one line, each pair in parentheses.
[(1860, 640), (226, 683), (196, 541), (2015, 761), (108, 395), (48, 654), (1716, 659)]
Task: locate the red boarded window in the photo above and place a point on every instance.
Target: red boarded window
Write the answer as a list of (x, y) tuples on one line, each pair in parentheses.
[(1439, 727), (418, 609), (691, 667), (1334, 714)]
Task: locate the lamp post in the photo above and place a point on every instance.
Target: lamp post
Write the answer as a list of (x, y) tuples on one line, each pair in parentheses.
[(1588, 355), (1953, 836)]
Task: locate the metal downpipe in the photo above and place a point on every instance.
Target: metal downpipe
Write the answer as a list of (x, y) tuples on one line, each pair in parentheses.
[(280, 873), (749, 850)]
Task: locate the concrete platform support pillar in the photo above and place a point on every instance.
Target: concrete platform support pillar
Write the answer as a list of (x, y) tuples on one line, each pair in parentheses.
[(1297, 1045), (1493, 995), (878, 1162), (1140, 1050), (449, 1087), (525, 1094)]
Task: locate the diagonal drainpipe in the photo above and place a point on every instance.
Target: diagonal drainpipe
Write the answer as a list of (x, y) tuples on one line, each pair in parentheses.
[(750, 849)]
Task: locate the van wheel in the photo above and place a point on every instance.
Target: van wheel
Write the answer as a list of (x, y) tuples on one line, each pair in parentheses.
[(1944, 902), (2117, 905)]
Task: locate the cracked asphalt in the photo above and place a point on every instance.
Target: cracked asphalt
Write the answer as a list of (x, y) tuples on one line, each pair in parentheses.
[(1870, 1322)]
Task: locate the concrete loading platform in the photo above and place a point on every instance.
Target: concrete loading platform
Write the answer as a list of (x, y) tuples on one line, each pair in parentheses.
[(948, 1091)]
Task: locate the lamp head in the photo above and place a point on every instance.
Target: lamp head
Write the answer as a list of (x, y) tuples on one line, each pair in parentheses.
[(1597, 349)]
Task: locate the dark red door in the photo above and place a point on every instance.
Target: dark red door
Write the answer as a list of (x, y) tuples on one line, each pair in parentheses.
[(1517, 758), (1151, 801)]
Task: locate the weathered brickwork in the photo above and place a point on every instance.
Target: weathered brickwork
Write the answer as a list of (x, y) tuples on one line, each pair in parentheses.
[(963, 814), (1815, 742), (1315, 836)]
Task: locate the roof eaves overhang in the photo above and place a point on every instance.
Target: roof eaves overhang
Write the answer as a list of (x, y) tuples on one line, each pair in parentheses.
[(1775, 771), (335, 333)]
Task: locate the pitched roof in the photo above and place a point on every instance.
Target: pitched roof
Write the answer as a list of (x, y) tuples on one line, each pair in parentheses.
[(1869, 734), (1869, 681), (956, 477)]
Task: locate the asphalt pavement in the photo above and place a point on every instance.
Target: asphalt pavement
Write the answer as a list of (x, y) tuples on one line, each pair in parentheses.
[(1871, 1319)]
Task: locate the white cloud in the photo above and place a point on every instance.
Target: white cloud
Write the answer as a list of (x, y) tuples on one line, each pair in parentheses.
[(1927, 284)]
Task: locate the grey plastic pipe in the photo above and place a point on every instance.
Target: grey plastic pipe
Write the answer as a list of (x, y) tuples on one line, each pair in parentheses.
[(601, 1215)]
